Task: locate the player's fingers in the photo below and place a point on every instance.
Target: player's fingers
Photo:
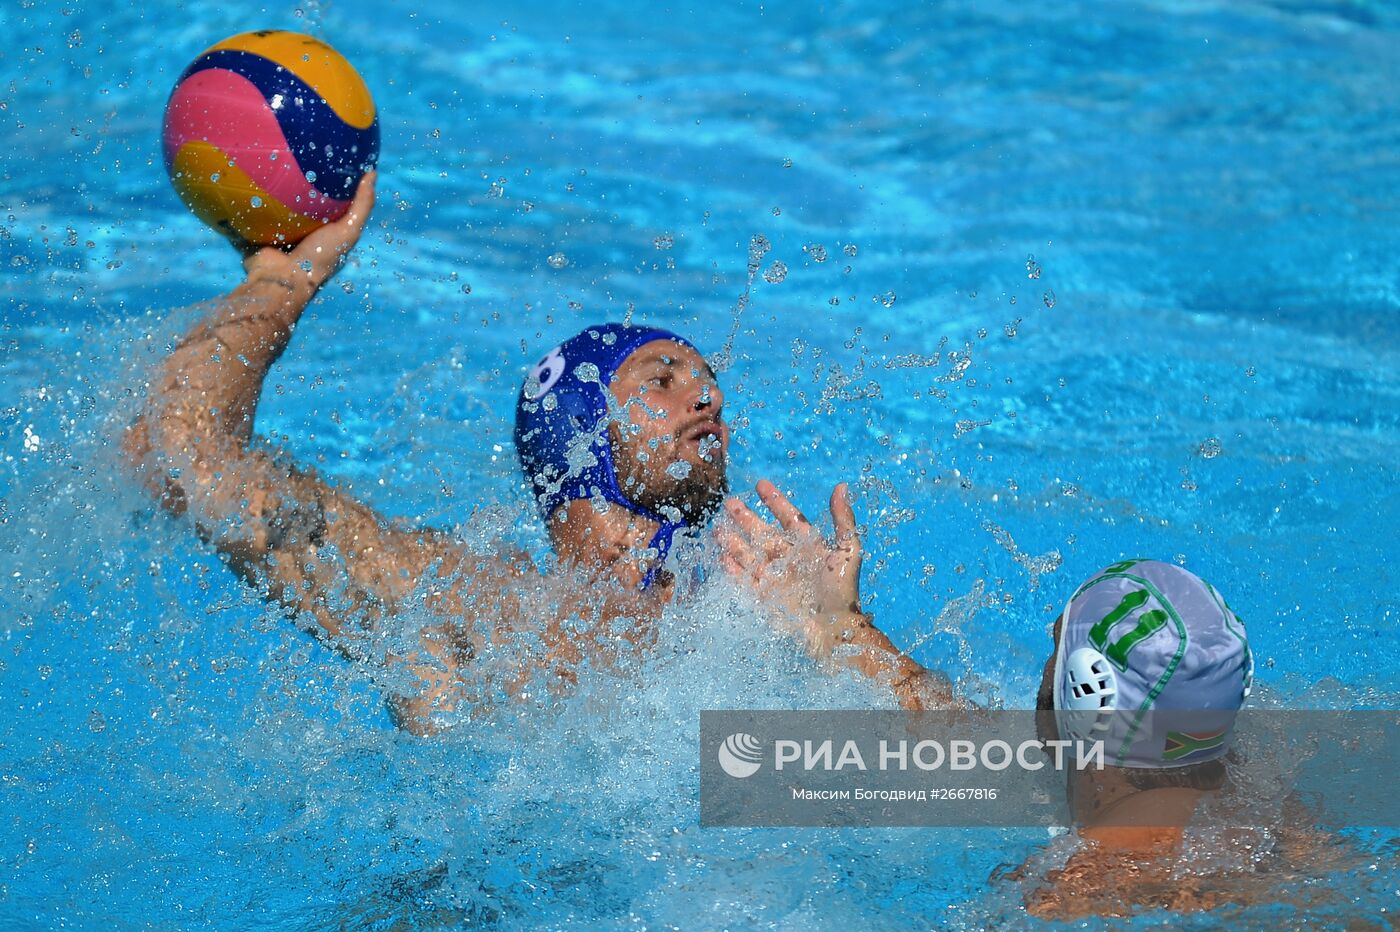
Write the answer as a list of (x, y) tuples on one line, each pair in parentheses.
[(759, 532), (740, 560), (843, 517), (785, 511), (736, 548), (363, 203)]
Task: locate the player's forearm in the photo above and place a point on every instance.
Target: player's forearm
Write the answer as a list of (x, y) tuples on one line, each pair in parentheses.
[(191, 444), (873, 654), (212, 381)]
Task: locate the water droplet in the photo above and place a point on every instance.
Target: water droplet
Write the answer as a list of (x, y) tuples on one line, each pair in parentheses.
[(1049, 298), (311, 176), (96, 723), (575, 306), (1210, 448), (776, 273), (834, 301), (256, 201), (887, 299), (466, 289), (678, 470), (850, 249), (777, 211), (816, 250), (787, 163), (557, 260), (664, 241), (758, 248), (1032, 267), (214, 177), (272, 156)]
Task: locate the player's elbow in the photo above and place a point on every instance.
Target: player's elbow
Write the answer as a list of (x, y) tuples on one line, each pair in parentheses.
[(139, 456), (136, 443), (147, 449), (414, 715)]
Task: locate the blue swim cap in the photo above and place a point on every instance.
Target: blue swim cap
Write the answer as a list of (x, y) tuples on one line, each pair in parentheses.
[(561, 423)]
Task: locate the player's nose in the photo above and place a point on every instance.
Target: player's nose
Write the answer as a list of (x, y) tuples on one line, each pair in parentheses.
[(707, 394)]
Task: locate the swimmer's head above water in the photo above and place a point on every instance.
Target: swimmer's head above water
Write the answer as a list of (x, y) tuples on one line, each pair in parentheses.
[(625, 416), (1144, 636), (1149, 660)]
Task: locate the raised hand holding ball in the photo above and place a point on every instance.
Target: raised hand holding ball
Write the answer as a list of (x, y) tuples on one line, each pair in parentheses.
[(267, 134)]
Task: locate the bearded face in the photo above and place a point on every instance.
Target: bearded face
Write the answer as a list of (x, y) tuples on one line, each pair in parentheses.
[(670, 444)]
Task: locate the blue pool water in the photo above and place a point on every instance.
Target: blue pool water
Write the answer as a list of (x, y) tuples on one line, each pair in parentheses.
[(1064, 283)]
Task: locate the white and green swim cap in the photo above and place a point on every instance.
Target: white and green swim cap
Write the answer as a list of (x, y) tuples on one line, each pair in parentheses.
[(1152, 662)]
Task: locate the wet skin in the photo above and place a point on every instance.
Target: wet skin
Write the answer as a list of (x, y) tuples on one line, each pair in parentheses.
[(341, 568)]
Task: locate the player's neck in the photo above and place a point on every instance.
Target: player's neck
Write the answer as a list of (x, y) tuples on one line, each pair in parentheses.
[(611, 541)]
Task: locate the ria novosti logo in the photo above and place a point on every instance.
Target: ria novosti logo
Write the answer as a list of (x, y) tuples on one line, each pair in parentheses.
[(740, 755)]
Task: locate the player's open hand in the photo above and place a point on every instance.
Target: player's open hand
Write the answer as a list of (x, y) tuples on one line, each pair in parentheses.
[(814, 582), (321, 252)]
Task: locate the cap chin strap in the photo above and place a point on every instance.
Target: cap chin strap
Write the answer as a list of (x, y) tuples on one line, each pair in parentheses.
[(661, 542)]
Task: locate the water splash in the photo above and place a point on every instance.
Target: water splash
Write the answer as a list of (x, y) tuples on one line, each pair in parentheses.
[(759, 247), (1035, 566)]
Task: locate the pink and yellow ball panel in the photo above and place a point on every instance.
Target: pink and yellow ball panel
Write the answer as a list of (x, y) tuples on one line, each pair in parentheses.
[(267, 135)]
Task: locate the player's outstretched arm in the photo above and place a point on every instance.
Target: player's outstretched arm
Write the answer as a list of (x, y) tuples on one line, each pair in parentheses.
[(816, 584), (302, 542)]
